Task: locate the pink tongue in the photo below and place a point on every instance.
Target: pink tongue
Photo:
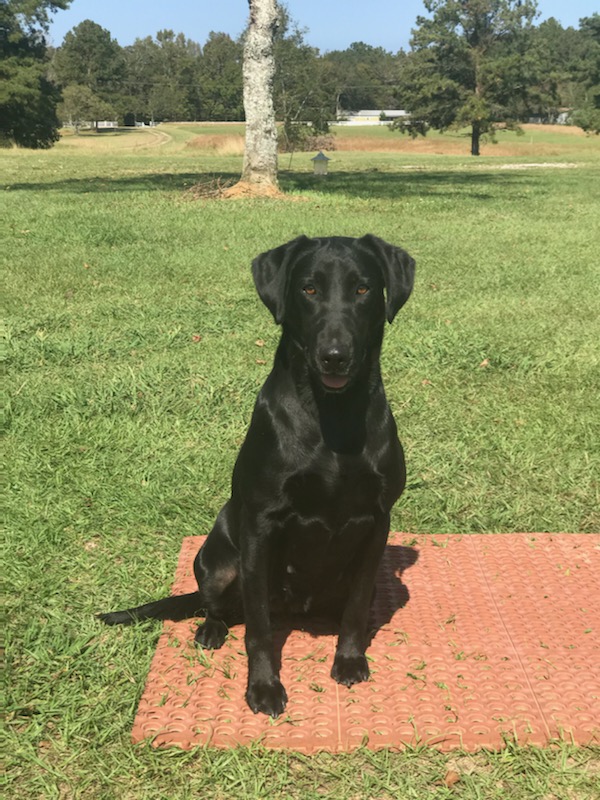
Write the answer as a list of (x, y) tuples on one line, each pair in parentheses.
[(334, 381)]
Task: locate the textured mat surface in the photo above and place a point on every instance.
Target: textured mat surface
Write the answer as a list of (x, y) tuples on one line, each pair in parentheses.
[(478, 638)]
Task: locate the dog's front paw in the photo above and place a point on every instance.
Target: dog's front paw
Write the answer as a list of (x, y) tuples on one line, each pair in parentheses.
[(211, 634), (267, 697), (349, 670)]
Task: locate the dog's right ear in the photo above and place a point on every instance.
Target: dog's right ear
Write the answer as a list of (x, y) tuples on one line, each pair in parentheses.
[(398, 270), (270, 271)]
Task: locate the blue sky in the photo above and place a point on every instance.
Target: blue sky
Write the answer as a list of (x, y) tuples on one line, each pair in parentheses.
[(331, 24)]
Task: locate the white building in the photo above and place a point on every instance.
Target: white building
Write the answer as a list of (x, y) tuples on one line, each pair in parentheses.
[(370, 116)]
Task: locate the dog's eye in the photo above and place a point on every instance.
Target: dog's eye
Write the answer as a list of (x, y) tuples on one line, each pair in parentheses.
[(309, 289), (362, 289)]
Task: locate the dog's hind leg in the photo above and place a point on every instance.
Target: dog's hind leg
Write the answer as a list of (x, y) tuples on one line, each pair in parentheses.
[(216, 568), (223, 608)]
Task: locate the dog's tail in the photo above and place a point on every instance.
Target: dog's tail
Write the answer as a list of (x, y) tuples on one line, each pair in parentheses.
[(176, 607)]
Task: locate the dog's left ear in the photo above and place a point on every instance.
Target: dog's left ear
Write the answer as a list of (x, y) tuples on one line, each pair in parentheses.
[(270, 272), (398, 270)]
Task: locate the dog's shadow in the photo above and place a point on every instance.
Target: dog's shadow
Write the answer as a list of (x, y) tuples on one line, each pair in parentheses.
[(391, 594)]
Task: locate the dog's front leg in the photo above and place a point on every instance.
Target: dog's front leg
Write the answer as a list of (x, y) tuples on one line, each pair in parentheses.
[(265, 692), (350, 664)]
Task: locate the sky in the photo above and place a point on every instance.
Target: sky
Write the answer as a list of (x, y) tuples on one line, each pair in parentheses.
[(380, 23)]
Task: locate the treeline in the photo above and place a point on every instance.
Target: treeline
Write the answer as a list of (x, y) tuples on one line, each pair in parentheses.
[(476, 64), (171, 77)]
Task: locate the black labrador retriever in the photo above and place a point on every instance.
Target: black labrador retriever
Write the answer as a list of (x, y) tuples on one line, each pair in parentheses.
[(319, 470)]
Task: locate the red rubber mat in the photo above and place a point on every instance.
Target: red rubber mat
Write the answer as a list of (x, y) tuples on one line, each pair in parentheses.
[(478, 638)]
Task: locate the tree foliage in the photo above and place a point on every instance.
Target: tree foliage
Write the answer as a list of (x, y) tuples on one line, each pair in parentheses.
[(476, 63), (300, 98), (80, 104), (181, 80), (90, 57), (220, 78), (28, 99), (34, 15), (470, 65), (361, 77), (587, 76)]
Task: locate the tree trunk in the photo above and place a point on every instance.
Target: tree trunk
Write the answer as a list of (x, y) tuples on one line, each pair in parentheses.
[(260, 154), (475, 134)]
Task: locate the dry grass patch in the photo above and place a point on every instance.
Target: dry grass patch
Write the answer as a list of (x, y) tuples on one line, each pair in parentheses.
[(445, 147), (220, 144), (452, 144), (112, 141), (400, 144), (570, 130)]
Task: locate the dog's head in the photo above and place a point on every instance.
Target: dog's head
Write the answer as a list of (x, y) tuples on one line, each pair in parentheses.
[(328, 293)]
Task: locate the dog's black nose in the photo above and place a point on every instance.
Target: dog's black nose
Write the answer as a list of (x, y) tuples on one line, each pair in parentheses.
[(333, 359)]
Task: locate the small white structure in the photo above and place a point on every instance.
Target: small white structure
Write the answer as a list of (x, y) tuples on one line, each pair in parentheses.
[(370, 116), (320, 162), (104, 124), (562, 117)]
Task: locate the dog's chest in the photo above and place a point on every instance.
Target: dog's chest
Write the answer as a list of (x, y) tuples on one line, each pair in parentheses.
[(325, 524), (333, 492), (327, 511)]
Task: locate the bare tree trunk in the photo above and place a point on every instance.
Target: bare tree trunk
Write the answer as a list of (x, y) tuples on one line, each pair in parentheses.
[(475, 136), (260, 155)]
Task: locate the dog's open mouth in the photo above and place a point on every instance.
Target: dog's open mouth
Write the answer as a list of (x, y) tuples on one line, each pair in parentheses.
[(335, 382)]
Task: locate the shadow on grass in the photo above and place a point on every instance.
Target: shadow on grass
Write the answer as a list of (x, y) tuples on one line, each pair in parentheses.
[(141, 182), (359, 184), (395, 185)]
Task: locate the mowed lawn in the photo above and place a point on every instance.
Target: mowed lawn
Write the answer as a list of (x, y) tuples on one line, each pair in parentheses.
[(135, 346)]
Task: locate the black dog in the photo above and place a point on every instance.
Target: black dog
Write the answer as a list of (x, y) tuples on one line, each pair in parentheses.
[(321, 466)]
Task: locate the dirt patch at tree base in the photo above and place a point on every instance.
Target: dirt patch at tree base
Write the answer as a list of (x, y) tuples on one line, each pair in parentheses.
[(218, 188), (244, 189), (211, 189)]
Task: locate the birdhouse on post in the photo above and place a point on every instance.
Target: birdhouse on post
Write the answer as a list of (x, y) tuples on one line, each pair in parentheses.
[(320, 163)]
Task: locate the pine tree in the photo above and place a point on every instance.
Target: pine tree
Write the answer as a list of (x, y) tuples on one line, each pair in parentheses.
[(469, 65), (28, 99)]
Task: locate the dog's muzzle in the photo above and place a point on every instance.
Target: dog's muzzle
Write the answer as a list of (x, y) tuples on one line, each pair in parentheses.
[(333, 363)]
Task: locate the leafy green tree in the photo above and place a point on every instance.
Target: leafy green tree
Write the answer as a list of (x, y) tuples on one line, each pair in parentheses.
[(142, 73), (300, 99), (569, 74), (220, 78), (162, 78), (469, 65), (587, 111), (175, 93), (80, 104), (35, 14), (90, 57), (555, 49), (361, 77), (28, 99)]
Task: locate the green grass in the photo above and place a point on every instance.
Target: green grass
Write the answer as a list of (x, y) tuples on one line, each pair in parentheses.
[(132, 370)]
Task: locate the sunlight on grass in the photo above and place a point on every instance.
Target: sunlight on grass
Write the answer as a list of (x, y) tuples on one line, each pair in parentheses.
[(133, 364)]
